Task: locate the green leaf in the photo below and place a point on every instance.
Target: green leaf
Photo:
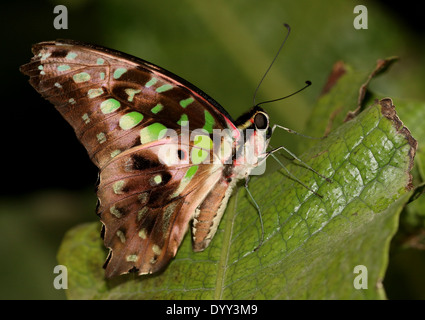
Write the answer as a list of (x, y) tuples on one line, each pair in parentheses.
[(311, 243)]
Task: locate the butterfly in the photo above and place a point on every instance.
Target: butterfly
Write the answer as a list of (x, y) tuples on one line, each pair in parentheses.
[(168, 154)]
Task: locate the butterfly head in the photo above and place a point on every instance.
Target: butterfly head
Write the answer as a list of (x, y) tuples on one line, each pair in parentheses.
[(256, 133), (255, 119)]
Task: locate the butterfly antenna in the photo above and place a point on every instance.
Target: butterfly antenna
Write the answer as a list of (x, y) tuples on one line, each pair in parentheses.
[(307, 84), (274, 59)]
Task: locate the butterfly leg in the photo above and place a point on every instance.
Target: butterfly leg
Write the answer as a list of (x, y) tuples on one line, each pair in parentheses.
[(293, 155), (296, 158), (258, 210), (271, 153), (293, 132)]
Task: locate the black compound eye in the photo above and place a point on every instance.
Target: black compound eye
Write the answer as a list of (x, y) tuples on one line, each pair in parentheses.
[(181, 154), (261, 120)]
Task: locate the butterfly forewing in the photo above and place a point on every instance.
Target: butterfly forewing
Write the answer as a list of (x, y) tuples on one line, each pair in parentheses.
[(104, 96), (123, 110)]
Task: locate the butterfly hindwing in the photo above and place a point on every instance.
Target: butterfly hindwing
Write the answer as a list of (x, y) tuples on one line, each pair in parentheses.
[(146, 209)]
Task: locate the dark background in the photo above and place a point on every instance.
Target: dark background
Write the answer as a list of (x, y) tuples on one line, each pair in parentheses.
[(223, 47)]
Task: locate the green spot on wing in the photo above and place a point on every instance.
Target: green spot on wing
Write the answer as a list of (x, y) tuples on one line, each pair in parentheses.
[(191, 172), (184, 103), (164, 88), (118, 186), (86, 118), (63, 67), (142, 234), (115, 153), (209, 122), (152, 132), (151, 82), (185, 181), (81, 77), (109, 105), (101, 137), (131, 93), (44, 56), (71, 56), (121, 235), (203, 141), (132, 258), (93, 93), (199, 153), (183, 120), (157, 108), (100, 61), (130, 120), (113, 210), (157, 179), (119, 72)]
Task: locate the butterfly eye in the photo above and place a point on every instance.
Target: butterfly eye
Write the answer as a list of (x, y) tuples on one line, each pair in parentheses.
[(181, 154), (261, 121)]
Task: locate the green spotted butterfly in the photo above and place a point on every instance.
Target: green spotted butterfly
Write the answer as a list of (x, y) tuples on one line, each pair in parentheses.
[(167, 153)]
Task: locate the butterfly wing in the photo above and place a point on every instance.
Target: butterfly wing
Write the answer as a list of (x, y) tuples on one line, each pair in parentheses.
[(146, 206), (123, 110)]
